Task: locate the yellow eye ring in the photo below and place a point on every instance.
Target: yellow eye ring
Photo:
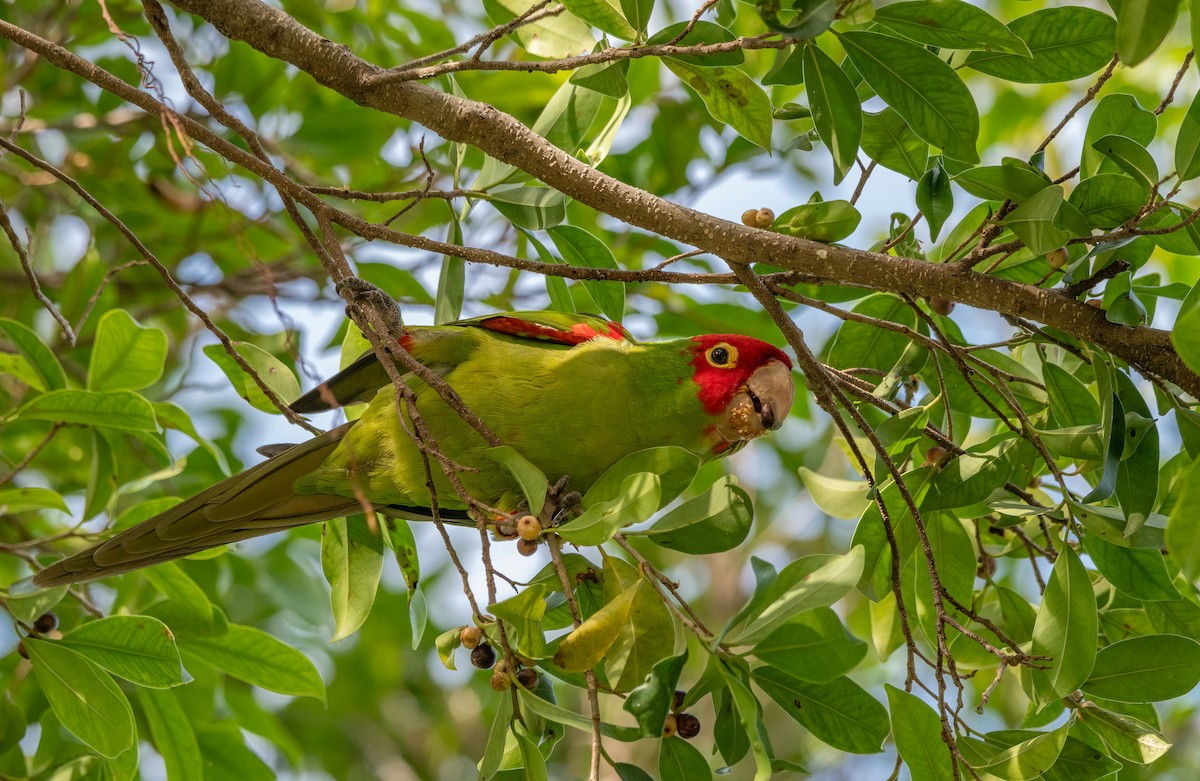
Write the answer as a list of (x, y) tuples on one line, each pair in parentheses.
[(722, 356)]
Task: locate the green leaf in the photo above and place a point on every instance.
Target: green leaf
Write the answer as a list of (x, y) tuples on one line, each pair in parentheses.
[(1183, 530), (825, 221), (173, 416), (808, 18), (1071, 403), (126, 356), (352, 560), (524, 613), (37, 355), (1141, 27), (120, 410), (529, 206), (1187, 145), (1145, 669), (1140, 573), (451, 284), (139, 649), (837, 112), (253, 656), (272, 371), (1080, 762), (921, 87), (1065, 629), (533, 483), (813, 581), (552, 37), (605, 15), (678, 760), (1131, 156), (605, 78), (597, 524), (934, 198), (675, 467), (702, 33), (966, 480), (840, 713), (1027, 755), (888, 140), (814, 646), (1118, 114), (1001, 182), (580, 248), (650, 701), (949, 24), (1125, 736), (26, 601), (400, 539), (731, 97), (19, 500), (172, 733), (859, 344), (749, 715), (917, 731), (1066, 43), (835, 496), (555, 713), (715, 521), (587, 644), (175, 584), (1036, 222), (85, 699)]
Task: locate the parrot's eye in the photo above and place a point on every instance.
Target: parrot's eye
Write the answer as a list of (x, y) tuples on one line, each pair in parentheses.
[(723, 355)]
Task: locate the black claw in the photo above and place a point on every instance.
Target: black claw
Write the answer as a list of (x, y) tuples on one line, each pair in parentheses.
[(561, 484)]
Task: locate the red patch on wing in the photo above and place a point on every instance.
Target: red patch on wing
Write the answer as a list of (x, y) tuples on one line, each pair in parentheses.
[(406, 341), (719, 384), (577, 334)]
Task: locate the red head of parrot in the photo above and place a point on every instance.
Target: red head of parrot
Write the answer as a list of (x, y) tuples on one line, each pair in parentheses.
[(745, 382)]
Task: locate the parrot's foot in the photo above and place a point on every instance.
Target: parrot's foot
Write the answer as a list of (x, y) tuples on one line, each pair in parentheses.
[(561, 504), (363, 292)]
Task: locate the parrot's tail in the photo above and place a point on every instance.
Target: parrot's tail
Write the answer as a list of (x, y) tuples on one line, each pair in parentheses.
[(257, 501)]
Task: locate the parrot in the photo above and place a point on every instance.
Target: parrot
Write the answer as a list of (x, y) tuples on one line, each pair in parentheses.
[(572, 393)]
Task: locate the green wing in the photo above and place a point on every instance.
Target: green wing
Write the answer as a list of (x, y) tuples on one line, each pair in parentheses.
[(440, 348)]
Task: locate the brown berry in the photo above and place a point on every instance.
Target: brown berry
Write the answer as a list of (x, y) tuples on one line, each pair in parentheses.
[(1095, 303), (764, 217), (500, 681), (942, 306), (986, 569), (527, 678), (670, 726), (934, 455), (46, 622), (22, 650), (527, 547), (483, 656), (1057, 258), (529, 528), (688, 725), (470, 637), (750, 217), (677, 699)]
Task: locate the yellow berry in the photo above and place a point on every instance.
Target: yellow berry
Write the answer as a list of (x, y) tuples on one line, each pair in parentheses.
[(470, 636), (1057, 258), (764, 217), (670, 726), (750, 217), (500, 681), (528, 527)]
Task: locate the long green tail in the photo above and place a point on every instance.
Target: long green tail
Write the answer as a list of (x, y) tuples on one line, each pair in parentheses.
[(257, 501)]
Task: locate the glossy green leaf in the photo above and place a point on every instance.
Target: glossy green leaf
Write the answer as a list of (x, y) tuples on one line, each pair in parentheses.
[(530, 207), (119, 410), (809, 18), (750, 717), (1141, 27), (863, 345), (1066, 43), (126, 355), (606, 15), (552, 37), (139, 649), (1131, 157), (836, 110), (1065, 629), (678, 760), (1036, 222), (701, 33), (533, 483), (1140, 573), (1125, 736), (37, 355), (840, 713), (580, 248), (675, 467), (835, 496), (1001, 182), (922, 88), (934, 198), (949, 24), (637, 501), (1080, 762), (715, 521), (172, 733), (19, 500), (825, 221), (253, 656), (1145, 669), (1117, 114), (587, 644), (652, 699), (813, 581), (85, 699), (814, 646), (731, 97), (352, 560), (917, 732), (888, 140), (273, 372), (1187, 145), (1026, 754)]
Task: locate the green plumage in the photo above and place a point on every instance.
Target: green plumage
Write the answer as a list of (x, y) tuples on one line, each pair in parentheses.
[(570, 408)]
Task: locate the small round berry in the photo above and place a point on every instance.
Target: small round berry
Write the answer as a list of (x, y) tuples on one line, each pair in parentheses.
[(501, 681), (470, 637), (750, 217), (483, 656), (1095, 303), (942, 306), (764, 217), (934, 455), (688, 725), (46, 622), (1057, 258), (677, 699), (986, 569), (529, 528), (527, 678), (22, 650), (670, 726), (527, 547)]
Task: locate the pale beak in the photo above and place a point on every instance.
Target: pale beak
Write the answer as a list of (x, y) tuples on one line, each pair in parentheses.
[(761, 405)]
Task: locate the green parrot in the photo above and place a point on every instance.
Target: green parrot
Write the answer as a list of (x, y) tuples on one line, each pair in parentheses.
[(571, 393)]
